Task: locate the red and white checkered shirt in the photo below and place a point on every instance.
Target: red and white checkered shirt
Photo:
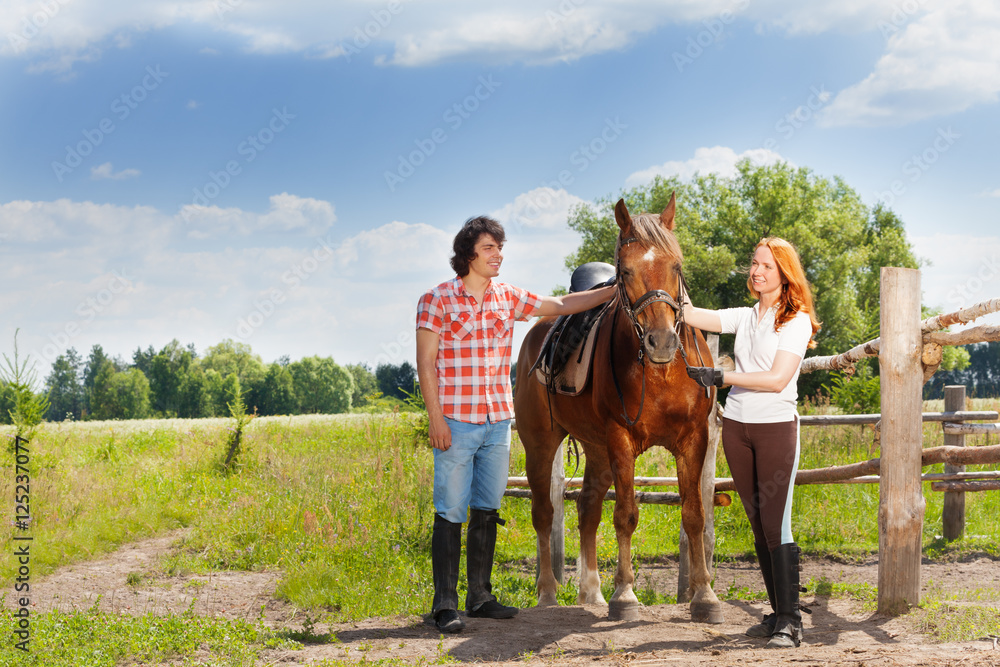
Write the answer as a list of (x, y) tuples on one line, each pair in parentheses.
[(473, 360)]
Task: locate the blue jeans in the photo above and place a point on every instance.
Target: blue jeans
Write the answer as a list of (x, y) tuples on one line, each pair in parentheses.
[(473, 471)]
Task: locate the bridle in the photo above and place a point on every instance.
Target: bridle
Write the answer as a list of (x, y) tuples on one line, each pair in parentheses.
[(633, 309)]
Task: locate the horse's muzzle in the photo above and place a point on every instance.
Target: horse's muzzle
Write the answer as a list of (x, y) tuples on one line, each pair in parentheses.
[(661, 345)]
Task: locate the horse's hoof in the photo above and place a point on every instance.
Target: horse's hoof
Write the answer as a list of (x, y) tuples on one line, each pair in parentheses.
[(547, 602), (705, 612), (623, 610)]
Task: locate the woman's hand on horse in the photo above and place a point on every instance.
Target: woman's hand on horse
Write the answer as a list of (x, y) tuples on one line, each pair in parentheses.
[(706, 376)]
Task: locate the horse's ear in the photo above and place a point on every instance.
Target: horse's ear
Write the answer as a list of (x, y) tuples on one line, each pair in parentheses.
[(667, 217), (622, 217)]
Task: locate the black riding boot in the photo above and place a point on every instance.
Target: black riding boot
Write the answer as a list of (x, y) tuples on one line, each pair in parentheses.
[(788, 626), (446, 556), (766, 627), (480, 544)]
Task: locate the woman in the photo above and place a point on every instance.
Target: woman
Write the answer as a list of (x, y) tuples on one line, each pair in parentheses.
[(760, 426)]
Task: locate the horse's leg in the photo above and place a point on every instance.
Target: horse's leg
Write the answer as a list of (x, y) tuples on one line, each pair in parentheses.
[(705, 606), (589, 507), (624, 605), (539, 448)]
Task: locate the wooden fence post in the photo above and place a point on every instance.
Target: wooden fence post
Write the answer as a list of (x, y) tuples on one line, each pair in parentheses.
[(901, 500), (557, 491), (953, 516), (707, 497)]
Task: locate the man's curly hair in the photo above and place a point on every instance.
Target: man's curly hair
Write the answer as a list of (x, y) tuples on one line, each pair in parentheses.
[(465, 241)]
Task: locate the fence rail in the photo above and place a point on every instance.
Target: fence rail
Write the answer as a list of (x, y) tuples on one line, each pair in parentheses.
[(854, 473)]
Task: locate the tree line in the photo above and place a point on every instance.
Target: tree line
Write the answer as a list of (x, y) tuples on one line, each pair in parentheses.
[(981, 376), (178, 382)]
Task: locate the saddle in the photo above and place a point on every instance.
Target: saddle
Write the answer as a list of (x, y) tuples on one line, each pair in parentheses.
[(564, 362)]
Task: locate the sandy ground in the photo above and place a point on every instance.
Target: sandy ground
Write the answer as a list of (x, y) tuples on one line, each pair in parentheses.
[(838, 632)]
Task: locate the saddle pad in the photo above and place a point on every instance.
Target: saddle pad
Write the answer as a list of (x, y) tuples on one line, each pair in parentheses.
[(572, 378)]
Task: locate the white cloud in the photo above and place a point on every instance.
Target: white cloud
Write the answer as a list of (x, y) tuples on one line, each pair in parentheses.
[(416, 33), (106, 172), (941, 56), (125, 277), (288, 213), (720, 160), (992, 193), (804, 18), (408, 34), (394, 251), (541, 208), (944, 61)]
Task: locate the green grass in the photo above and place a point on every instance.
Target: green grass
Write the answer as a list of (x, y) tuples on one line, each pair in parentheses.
[(322, 500), (60, 639), (949, 621)]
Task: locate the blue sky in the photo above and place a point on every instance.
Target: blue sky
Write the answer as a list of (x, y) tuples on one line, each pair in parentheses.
[(290, 175)]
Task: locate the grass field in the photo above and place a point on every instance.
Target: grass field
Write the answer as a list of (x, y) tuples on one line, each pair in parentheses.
[(321, 499)]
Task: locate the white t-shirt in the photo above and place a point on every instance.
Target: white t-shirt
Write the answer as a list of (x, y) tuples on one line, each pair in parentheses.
[(756, 345)]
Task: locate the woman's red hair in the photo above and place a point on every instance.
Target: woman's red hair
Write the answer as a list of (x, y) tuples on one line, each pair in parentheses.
[(795, 293)]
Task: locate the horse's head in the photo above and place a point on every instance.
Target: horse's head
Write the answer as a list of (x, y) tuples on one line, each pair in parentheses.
[(648, 266)]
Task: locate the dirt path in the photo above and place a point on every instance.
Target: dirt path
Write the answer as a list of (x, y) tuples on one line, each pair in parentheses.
[(838, 632)]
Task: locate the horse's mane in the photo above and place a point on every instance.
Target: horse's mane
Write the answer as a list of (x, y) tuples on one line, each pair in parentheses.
[(649, 231)]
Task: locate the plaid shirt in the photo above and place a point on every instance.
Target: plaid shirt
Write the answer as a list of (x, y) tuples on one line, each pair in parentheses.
[(473, 360)]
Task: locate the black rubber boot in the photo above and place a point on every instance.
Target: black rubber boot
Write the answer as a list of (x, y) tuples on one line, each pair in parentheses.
[(766, 627), (446, 556), (480, 545), (788, 626)]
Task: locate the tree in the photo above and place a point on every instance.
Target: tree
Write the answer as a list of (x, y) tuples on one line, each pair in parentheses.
[(220, 391), (130, 394), (193, 397), (231, 357), (119, 394), (90, 370), (23, 407), (143, 359), (393, 379), (275, 395), (321, 385), (719, 220), (64, 388), (167, 373), (365, 383)]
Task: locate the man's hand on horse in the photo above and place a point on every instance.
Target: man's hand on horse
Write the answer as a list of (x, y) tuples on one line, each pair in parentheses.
[(706, 376)]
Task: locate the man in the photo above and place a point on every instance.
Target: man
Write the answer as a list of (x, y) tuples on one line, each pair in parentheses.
[(464, 334)]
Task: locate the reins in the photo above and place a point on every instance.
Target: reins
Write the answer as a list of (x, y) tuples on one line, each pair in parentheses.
[(632, 310)]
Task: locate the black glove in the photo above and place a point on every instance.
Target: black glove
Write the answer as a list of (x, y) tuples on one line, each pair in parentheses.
[(706, 376)]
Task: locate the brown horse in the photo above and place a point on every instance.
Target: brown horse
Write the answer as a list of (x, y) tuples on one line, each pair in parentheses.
[(640, 396)]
